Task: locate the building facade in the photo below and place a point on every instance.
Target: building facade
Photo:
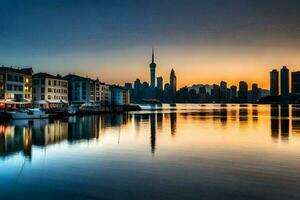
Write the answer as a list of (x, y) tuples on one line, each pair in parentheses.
[(15, 87), (119, 96), (49, 91), (243, 92)]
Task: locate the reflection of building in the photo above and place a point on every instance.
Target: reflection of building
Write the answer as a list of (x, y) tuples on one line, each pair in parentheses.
[(44, 133), (274, 121), (295, 119), (14, 139), (15, 87), (284, 82), (274, 87), (49, 90), (284, 121), (173, 118), (153, 132)]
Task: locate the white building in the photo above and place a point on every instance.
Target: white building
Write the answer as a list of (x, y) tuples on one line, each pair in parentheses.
[(49, 91), (119, 96)]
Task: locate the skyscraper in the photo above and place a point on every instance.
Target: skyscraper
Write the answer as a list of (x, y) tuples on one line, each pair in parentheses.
[(152, 72), (243, 91), (296, 83), (223, 91), (274, 88), (233, 93), (284, 81), (255, 95), (159, 90), (173, 85)]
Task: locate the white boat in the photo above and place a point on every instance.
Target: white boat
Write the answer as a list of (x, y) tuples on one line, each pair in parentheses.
[(32, 113)]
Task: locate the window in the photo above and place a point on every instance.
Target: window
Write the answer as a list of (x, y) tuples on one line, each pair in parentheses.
[(43, 97), (33, 90), (21, 79), (9, 77), (49, 90), (49, 82), (54, 83), (42, 90), (9, 87), (49, 97)]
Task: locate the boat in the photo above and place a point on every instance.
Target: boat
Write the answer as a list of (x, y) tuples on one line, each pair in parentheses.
[(30, 113)]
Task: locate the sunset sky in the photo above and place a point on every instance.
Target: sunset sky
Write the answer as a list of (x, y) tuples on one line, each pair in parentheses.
[(205, 41)]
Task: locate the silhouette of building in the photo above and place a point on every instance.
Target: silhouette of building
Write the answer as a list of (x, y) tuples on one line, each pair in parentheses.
[(296, 83), (137, 91), (159, 91), (274, 87), (215, 93), (254, 93), (223, 91), (173, 86), (284, 82), (243, 92), (233, 93)]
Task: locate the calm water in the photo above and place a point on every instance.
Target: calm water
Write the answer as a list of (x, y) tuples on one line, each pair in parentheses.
[(186, 152)]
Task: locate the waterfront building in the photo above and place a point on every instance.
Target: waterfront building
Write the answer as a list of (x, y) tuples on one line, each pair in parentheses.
[(254, 93), (284, 82), (243, 92), (159, 89), (137, 91), (119, 96), (49, 91), (78, 89), (274, 83), (128, 86), (173, 86), (223, 91), (102, 93), (215, 93), (15, 87), (296, 83)]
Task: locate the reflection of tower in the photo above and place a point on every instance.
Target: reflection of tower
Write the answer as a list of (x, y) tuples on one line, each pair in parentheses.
[(173, 117), (159, 121), (274, 121), (284, 121), (153, 132), (152, 72)]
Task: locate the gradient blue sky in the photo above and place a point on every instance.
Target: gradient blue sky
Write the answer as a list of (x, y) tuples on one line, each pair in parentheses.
[(204, 40)]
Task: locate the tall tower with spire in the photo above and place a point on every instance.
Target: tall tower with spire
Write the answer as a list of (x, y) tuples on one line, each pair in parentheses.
[(152, 72)]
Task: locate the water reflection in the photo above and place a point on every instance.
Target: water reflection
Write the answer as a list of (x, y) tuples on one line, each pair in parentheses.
[(19, 136)]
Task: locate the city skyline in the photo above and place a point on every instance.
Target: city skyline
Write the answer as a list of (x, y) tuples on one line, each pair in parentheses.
[(104, 37)]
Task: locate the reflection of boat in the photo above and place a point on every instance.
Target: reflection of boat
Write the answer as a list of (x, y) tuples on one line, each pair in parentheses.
[(33, 113)]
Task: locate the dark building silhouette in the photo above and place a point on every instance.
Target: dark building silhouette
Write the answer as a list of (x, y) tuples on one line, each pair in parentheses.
[(223, 91), (173, 86), (296, 83), (233, 93), (152, 71), (274, 83), (137, 90), (274, 121), (284, 82), (255, 93), (159, 89), (243, 92), (215, 93)]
